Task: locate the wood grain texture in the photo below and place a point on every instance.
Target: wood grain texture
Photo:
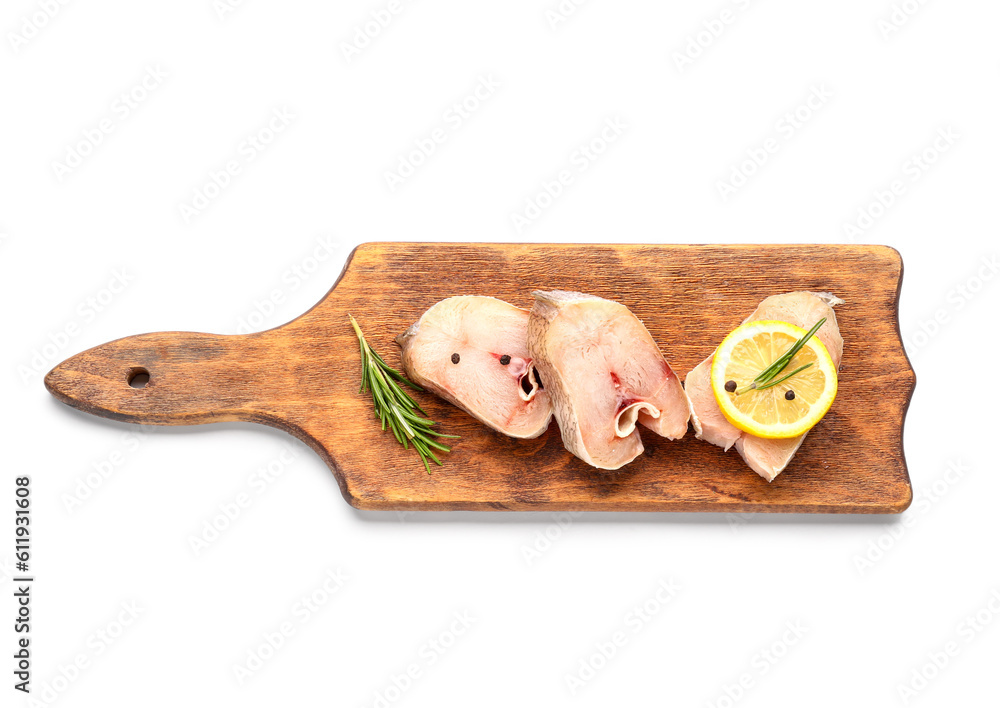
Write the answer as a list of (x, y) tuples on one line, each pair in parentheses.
[(303, 377)]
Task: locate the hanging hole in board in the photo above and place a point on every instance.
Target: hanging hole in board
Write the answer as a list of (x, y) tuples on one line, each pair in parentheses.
[(138, 378)]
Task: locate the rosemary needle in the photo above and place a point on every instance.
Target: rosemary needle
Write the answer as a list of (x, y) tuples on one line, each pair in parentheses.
[(769, 384), (395, 407)]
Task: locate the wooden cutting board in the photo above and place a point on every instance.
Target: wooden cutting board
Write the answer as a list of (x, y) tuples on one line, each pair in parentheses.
[(303, 377)]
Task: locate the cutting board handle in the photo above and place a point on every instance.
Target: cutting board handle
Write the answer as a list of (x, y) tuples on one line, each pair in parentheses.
[(168, 378)]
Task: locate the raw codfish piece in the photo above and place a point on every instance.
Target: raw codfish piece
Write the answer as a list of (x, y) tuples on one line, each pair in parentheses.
[(471, 351), (766, 457), (605, 374)]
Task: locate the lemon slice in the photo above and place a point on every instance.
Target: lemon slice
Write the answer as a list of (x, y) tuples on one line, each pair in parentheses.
[(768, 413)]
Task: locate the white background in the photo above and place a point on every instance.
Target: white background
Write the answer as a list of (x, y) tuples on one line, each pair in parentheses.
[(875, 596)]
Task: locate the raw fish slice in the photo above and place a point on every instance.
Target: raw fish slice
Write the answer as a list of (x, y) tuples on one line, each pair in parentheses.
[(709, 423), (605, 374), (804, 309), (472, 351), (766, 457)]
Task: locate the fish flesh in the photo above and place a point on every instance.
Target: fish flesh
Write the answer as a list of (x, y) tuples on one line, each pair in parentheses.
[(767, 457), (605, 374), (471, 351)]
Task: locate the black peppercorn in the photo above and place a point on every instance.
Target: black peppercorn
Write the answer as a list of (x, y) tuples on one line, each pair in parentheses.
[(730, 386), (789, 395), (505, 359), (455, 358)]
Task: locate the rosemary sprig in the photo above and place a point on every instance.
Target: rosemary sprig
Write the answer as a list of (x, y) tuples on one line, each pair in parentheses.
[(765, 379), (394, 406)]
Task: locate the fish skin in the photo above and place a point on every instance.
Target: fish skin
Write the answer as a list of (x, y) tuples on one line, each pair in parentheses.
[(481, 330), (766, 457), (599, 392)]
